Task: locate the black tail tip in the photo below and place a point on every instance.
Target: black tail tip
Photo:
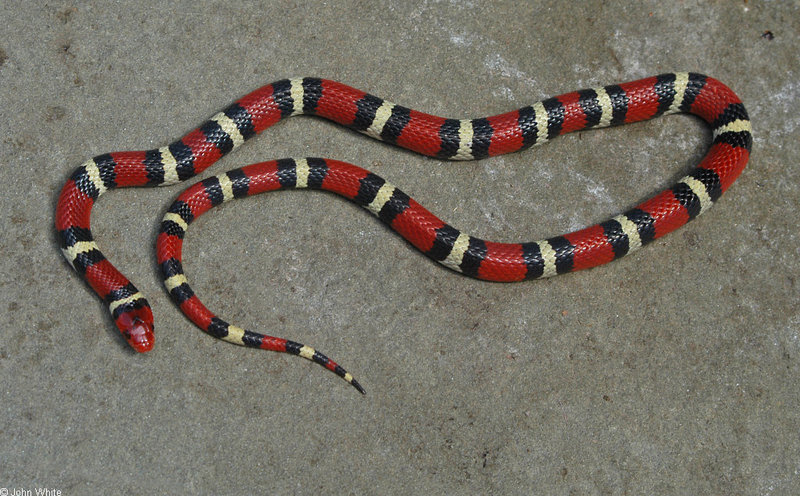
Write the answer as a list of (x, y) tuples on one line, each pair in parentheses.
[(356, 385)]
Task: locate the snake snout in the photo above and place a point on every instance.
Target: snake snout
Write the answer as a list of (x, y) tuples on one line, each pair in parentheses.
[(137, 328)]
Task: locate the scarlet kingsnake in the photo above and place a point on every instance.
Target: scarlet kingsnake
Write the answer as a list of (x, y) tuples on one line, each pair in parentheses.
[(427, 134)]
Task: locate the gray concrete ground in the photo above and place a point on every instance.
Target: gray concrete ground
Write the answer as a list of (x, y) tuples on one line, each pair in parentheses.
[(673, 371)]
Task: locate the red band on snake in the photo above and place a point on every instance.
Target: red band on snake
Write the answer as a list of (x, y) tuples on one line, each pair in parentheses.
[(454, 139)]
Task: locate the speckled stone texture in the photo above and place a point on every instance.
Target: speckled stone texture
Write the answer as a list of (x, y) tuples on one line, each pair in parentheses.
[(672, 371)]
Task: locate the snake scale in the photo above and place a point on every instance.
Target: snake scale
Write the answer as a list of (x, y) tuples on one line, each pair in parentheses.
[(454, 139)]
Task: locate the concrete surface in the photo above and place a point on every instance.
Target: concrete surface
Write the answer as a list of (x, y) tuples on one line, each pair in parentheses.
[(673, 371)]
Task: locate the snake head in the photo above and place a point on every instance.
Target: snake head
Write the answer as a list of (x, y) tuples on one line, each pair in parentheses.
[(136, 326)]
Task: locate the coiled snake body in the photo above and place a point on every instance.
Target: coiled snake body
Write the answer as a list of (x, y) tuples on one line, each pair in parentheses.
[(427, 134)]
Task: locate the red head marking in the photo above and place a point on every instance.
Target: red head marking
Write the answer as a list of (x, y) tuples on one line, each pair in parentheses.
[(137, 327)]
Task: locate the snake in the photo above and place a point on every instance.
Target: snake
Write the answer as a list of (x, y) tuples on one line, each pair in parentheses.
[(442, 138)]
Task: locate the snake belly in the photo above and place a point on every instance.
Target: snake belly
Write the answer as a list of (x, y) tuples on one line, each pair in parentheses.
[(454, 139)]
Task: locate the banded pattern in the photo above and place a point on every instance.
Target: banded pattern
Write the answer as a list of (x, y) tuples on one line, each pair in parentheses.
[(457, 139)]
